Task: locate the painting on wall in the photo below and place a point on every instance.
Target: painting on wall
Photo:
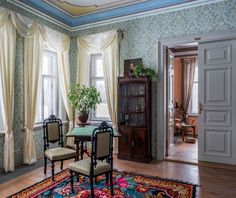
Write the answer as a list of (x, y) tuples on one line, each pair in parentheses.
[(129, 65)]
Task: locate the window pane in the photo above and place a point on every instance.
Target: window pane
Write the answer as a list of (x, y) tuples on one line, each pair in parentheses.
[(48, 99), (194, 100), (102, 111), (47, 60), (97, 80), (99, 68), (102, 108), (100, 85)]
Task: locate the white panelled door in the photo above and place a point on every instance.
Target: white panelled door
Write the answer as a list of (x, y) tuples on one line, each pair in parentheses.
[(170, 107), (217, 98)]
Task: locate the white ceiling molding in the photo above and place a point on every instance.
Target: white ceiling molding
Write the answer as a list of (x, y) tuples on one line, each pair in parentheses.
[(118, 19), (38, 13), (147, 13)]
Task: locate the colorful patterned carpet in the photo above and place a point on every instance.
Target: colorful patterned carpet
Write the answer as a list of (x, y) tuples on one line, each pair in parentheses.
[(126, 185)]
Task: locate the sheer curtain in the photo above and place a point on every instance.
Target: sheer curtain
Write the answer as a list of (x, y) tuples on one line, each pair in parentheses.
[(107, 44), (32, 70), (7, 70), (189, 70), (60, 43), (36, 36)]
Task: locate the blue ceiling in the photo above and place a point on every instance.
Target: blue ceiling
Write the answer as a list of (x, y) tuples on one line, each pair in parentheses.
[(70, 21)]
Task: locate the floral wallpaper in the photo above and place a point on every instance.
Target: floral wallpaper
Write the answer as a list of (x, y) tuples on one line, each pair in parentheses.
[(18, 119), (141, 36), (140, 41)]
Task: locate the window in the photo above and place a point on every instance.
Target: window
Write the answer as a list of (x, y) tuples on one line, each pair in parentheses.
[(97, 80), (49, 98), (193, 106)]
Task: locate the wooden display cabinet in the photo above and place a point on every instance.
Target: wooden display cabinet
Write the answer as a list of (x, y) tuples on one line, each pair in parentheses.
[(134, 118)]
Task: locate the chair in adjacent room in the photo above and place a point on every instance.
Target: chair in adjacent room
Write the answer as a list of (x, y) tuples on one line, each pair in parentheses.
[(53, 134), (101, 160)]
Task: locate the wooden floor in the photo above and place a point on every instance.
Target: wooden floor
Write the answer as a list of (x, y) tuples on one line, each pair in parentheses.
[(214, 182), (183, 151)]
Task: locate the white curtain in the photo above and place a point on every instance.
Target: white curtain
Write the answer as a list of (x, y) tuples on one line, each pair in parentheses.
[(189, 70), (60, 43), (32, 70), (107, 44), (35, 35), (33, 45), (7, 70)]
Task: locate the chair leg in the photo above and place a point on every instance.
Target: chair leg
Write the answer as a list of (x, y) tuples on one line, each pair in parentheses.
[(96, 181), (91, 184), (107, 177), (61, 164), (71, 181), (45, 164), (53, 171), (111, 184)]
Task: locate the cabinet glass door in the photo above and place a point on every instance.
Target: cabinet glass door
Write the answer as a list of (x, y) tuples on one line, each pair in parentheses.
[(132, 104)]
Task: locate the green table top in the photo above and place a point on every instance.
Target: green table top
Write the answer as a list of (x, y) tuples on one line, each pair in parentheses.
[(86, 131)]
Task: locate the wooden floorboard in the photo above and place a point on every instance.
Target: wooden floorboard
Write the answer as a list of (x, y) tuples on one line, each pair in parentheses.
[(184, 151), (214, 182)]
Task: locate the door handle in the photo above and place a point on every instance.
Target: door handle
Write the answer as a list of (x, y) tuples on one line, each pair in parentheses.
[(200, 108)]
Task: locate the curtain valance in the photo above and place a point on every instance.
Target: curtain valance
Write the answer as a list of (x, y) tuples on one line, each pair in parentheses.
[(24, 26)]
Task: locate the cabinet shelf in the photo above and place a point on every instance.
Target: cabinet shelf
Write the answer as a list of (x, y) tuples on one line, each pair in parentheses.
[(132, 112), (134, 118), (133, 96)]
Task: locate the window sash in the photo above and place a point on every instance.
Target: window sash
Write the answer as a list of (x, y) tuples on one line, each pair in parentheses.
[(93, 80), (53, 93)]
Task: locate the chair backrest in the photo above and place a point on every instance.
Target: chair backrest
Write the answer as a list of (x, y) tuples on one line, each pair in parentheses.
[(52, 127), (102, 144)]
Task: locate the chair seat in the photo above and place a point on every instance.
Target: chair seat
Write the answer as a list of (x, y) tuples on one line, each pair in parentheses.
[(59, 153), (83, 167)]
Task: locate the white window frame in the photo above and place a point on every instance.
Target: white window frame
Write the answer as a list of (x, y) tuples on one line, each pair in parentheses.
[(93, 78), (59, 110)]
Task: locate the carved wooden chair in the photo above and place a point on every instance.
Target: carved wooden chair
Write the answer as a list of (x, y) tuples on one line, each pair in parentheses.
[(101, 160), (53, 134)]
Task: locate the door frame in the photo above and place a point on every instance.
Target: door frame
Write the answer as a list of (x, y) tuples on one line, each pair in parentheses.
[(162, 87)]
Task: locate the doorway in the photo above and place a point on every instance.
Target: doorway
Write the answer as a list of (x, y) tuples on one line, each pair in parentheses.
[(217, 112), (182, 103)]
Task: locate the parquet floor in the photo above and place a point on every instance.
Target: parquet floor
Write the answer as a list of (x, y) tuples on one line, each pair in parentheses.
[(214, 182), (184, 151)]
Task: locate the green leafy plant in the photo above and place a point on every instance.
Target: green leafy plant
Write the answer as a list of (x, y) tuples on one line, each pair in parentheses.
[(83, 99), (140, 70)]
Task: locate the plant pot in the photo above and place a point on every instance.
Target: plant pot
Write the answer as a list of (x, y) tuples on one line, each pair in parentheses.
[(83, 117)]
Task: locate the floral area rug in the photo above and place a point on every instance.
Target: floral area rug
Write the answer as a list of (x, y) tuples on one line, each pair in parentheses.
[(125, 184)]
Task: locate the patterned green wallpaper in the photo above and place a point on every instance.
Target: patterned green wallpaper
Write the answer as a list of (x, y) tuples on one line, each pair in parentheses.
[(141, 35), (140, 41)]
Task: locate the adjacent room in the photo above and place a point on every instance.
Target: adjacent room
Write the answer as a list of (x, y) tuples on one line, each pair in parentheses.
[(131, 98), (184, 103)]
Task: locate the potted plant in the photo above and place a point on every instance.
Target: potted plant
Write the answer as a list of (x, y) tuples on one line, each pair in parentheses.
[(83, 99), (140, 70)]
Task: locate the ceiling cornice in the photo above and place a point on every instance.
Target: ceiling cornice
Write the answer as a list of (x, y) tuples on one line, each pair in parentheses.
[(114, 20), (39, 14)]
